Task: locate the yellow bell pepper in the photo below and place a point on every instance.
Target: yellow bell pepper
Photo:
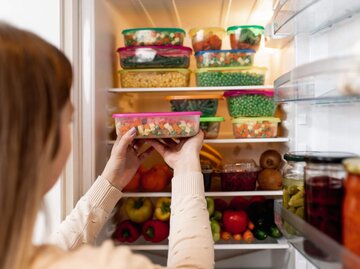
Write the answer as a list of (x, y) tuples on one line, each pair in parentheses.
[(162, 208)]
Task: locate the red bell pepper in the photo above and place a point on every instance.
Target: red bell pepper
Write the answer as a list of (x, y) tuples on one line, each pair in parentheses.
[(155, 230), (126, 231)]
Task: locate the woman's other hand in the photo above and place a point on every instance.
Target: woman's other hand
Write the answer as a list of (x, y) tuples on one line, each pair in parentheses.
[(124, 160), (182, 157)]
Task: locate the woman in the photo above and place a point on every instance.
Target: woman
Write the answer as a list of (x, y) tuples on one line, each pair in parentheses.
[(35, 117)]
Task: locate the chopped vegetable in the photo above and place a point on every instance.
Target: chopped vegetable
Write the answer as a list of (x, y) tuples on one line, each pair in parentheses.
[(224, 58), (208, 38), (208, 107), (158, 62), (153, 36), (245, 37), (255, 128)]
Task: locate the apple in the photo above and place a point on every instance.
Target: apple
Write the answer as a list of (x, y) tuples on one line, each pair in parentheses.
[(235, 222)]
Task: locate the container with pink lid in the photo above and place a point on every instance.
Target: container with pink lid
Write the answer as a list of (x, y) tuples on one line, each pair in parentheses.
[(159, 124), (155, 57), (251, 103)]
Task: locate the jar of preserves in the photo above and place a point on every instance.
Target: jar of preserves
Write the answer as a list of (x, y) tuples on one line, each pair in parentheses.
[(324, 179), (351, 206), (293, 183)]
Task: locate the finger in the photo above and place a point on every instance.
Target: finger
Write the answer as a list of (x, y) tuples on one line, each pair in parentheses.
[(126, 141), (145, 154), (157, 146)]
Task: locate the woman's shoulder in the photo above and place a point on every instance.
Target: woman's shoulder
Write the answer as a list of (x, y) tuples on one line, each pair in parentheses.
[(107, 256)]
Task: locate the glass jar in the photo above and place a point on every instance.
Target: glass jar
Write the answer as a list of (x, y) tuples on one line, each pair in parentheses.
[(351, 206), (324, 178), (293, 183), (207, 170)]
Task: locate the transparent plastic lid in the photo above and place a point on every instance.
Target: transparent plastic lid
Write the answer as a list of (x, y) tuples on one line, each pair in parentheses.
[(256, 119), (179, 30), (193, 31), (157, 114), (224, 51), (267, 92), (246, 165)]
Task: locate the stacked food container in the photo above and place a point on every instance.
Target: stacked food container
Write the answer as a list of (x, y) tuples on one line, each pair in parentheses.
[(154, 57)]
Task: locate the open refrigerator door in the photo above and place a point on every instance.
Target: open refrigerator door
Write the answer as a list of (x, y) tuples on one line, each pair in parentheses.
[(308, 66)]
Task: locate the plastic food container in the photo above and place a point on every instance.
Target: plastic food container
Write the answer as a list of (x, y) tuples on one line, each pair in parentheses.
[(259, 127), (155, 57), (211, 126), (224, 58), (250, 103), (207, 170), (208, 38), (207, 104), (240, 176), (230, 76), (153, 36), (245, 36), (159, 125), (154, 78)]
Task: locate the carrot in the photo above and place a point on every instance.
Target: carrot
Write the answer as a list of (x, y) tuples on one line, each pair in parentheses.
[(225, 235), (248, 236), (146, 126), (237, 237)]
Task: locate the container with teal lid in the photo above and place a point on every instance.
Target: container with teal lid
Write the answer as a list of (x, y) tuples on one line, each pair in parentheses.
[(153, 36), (211, 126), (206, 38), (245, 36), (224, 58)]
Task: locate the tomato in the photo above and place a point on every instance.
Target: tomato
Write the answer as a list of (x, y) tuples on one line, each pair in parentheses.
[(134, 183), (156, 178), (235, 222)]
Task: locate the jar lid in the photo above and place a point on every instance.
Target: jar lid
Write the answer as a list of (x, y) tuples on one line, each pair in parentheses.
[(246, 165), (324, 157), (297, 156), (352, 165), (206, 165)]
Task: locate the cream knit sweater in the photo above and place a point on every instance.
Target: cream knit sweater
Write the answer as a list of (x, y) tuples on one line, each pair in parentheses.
[(190, 240)]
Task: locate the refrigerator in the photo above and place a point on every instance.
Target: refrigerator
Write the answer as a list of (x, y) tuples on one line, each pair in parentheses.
[(311, 49)]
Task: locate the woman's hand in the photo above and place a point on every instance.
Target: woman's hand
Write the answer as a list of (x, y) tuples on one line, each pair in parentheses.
[(183, 156), (124, 160)]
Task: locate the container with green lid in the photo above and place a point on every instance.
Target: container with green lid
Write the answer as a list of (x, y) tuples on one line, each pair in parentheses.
[(206, 38), (211, 126), (155, 78), (153, 36), (255, 127), (230, 76), (245, 36)]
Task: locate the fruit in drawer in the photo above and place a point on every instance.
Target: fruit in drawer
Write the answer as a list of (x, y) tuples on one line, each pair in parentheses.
[(239, 203), (156, 178), (220, 205), (235, 222), (127, 231), (155, 230), (139, 209), (270, 159)]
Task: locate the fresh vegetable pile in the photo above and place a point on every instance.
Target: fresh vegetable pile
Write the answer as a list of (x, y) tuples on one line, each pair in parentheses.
[(255, 127), (224, 58), (208, 105), (242, 219), (140, 212), (251, 104), (153, 36), (228, 77), (245, 37), (150, 78)]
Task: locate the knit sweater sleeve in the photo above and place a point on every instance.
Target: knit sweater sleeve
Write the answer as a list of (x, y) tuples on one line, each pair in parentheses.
[(86, 220)]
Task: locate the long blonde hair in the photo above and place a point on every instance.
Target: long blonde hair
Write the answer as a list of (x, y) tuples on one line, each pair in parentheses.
[(35, 82)]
